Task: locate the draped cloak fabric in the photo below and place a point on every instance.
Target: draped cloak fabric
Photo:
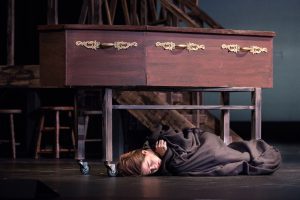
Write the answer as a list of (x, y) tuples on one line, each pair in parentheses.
[(194, 152)]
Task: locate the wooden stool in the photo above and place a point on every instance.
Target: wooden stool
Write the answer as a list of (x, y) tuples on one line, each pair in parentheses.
[(57, 110), (11, 113)]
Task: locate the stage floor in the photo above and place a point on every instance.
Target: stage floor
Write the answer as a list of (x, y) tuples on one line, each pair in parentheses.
[(64, 178)]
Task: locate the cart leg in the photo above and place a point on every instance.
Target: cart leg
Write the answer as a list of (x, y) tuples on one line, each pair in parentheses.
[(107, 132), (83, 164), (225, 119), (80, 132), (80, 138), (256, 114)]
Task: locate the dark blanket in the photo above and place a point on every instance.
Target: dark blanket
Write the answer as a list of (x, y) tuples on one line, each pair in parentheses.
[(195, 152)]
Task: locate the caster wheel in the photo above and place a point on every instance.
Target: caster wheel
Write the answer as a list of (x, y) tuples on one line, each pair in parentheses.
[(84, 167), (111, 169), (112, 173)]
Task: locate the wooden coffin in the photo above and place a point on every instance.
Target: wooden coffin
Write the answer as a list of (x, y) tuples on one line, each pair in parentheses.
[(94, 55)]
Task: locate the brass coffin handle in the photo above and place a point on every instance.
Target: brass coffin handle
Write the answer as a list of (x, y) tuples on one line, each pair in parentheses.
[(188, 46), (120, 45), (236, 48), (191, 46), (231, 47), (166, 45), (255, 49), (93, 44)]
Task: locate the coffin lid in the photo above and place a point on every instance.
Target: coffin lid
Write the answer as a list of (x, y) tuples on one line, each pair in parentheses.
[(60, 27)]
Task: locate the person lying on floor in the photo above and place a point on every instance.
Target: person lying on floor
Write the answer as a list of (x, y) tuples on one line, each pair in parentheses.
[(194, 152)]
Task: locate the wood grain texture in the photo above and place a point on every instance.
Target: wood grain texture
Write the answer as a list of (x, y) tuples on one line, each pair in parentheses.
[(20, 75), (211, 67), (108, 66), (64, 63), (53, 59)]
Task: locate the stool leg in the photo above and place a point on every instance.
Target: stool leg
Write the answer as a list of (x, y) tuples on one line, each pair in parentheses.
[(38, 145), (256, 114), (12, 129), (73, 140), (86, 123), (73, 134), (57, 127)]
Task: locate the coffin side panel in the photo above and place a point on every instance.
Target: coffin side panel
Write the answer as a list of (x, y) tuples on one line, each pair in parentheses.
[(52, 59), (105, 66), (211, 67)]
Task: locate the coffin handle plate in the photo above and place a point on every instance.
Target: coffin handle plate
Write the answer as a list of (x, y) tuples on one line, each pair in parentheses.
[(119, 45), (172, 46), (93, 44), (236, 48), (255, 49), (191, 46)]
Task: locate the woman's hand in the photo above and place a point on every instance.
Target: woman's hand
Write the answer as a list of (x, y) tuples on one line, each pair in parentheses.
[(161, 147)]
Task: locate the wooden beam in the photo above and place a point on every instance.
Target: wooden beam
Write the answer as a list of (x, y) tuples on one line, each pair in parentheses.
[(178, 12), (151, 118), (108, 14), (143, 12), (256, 114), (107, 125), (91, 12), (11, 32), (163, 14), (20, 75), (84, 12), (201, 14), (225, 118), (126, 12), (152, 11), (97, 18), (196, 18), (52, 13), (133, 13), (197, 99), (113, 6), (174, 18), (172, 118), (183, 107)]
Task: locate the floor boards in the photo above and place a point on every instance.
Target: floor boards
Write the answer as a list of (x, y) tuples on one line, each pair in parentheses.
[(64, 178)]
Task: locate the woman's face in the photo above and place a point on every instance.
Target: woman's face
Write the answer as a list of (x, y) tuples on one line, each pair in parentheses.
[(151, 163)]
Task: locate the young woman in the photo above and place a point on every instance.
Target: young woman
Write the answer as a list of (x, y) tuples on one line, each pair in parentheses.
[(194, 152)]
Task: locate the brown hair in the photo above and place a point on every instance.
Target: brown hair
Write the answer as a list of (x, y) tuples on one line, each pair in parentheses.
[(130, 163)]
